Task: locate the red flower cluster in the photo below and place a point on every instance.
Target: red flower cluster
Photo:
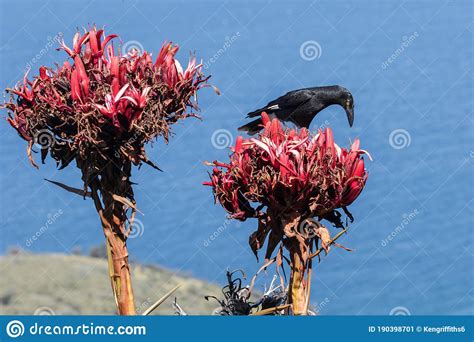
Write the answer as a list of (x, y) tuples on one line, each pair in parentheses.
[(289, 172), (119, 87), (103, 103)]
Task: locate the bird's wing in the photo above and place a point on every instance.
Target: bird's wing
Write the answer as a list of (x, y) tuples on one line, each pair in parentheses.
[(289, 101)]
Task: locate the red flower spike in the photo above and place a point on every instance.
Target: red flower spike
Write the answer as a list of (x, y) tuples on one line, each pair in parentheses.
[(96, 62), (285, 178), (288, 167), (101, 111)]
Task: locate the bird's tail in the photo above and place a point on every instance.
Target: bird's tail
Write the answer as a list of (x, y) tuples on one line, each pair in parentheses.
[(257, 112), (252, 127)]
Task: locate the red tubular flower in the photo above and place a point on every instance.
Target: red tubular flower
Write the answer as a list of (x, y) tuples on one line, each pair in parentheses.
[(113, 104), (82, 76), (170, 74), (167, 50), (26, 91), (75, 87)]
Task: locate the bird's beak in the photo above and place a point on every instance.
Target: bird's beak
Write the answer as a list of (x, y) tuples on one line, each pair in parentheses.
[(350, 114)]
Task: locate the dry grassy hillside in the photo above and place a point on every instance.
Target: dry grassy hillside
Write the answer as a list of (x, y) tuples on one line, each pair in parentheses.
[(71, 284)]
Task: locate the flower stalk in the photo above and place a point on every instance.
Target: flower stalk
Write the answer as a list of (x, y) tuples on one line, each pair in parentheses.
[(298, 288)]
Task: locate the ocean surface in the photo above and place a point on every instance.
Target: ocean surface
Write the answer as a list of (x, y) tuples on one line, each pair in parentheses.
[(409, 67)]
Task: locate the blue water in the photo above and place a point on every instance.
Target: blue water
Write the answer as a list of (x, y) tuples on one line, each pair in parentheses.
[(425, 89)]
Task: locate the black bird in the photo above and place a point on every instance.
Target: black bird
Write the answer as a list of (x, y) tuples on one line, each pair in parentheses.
[(302, 105)]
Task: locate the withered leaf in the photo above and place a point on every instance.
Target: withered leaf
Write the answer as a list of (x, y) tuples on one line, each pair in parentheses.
[(76, 191)]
